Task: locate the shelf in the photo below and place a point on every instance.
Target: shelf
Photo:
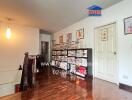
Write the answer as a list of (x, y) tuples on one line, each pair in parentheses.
[(78, 74), (83, 66), (79, 49), (72, 49), (56, 67), (59, 50), (71, 56), (82, 75), (77, 57), (71, 63), (54, 55), (59, 68), (63, 61), (82, 57), (59, 55), (60, 61)]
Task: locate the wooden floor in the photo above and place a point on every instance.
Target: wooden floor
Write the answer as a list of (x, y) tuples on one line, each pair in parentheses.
[(54, 84)]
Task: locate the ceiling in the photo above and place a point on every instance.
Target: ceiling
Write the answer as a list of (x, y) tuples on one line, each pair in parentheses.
[(49, 15)]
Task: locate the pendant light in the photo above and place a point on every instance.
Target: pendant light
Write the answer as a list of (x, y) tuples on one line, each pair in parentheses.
[(8, 30)]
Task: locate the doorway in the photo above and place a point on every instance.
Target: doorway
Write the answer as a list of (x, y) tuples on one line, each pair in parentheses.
[(105, 56), (45, 50)]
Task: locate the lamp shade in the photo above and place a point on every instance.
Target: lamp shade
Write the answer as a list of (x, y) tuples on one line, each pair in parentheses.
[(8, 33)]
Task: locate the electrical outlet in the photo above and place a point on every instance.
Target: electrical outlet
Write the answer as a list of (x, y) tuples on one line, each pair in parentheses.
[(125, 77)]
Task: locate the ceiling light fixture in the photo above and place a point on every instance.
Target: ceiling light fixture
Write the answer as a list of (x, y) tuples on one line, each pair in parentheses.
[(8, 30)]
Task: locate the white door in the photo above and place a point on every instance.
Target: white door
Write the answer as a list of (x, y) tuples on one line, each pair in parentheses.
[(105, 53)]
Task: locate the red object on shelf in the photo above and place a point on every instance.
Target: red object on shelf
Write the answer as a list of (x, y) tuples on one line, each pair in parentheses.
[(82, 70), (17, 88)]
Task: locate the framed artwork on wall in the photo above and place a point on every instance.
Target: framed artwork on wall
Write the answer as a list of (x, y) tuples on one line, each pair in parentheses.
[(80, 33), (61, 39), (128, 25), (104, 34), (69, 37)]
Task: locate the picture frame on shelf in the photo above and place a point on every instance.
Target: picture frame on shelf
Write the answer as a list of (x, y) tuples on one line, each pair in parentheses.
[(80, 33), (69, 37), (128, 25), (61, 39)]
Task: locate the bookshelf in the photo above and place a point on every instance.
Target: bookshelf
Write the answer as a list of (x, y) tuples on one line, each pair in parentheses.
[(76, 61)]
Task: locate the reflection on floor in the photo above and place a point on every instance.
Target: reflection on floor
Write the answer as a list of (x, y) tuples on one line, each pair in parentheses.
[(54, 84)]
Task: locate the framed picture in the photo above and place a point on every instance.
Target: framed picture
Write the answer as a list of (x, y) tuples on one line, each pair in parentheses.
[(80, 33), (69, 37), (61, 39), (128, 25), (104, 34)]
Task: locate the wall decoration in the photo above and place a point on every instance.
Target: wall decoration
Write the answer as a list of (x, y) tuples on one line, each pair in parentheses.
[(128, 25), (61, 39), (53, 42), (69, 37), (104, 34), (80, 33)]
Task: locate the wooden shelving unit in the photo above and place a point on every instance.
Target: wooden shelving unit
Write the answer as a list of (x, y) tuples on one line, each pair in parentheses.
[(77, 61)]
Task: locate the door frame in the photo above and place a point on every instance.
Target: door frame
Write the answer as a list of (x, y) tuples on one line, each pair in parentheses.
[(117, 62), (48, 49)]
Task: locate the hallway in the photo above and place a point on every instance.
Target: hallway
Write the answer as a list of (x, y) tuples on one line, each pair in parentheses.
[(54, 84)]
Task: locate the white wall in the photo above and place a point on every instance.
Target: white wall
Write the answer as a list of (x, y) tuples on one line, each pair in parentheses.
[(24, 39), (47, 38), (116, 13)]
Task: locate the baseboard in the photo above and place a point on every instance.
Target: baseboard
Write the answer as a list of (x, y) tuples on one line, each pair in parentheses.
[(7, 89), (89, 76), (125, 87)]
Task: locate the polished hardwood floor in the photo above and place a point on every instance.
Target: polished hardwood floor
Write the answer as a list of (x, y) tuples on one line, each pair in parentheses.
[(54, 84)]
